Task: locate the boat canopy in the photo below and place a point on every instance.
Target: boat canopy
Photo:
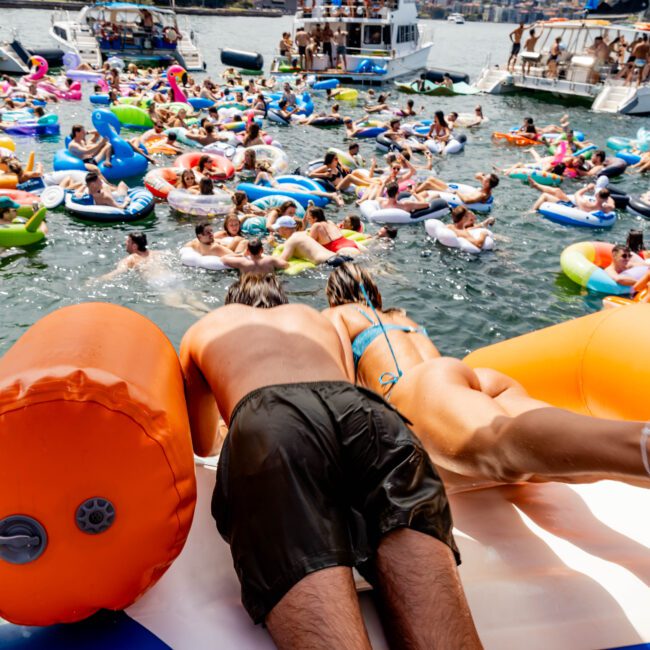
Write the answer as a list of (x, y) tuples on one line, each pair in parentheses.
[(128, 6), (122, 13)]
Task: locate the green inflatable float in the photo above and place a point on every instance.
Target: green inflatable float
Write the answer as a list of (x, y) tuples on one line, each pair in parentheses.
[(23, 234)]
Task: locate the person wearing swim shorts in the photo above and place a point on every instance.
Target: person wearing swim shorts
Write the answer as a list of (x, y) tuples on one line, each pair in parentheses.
[(302, 40), (316, 476), (515, 38), (341, 39), (479, 426), (91, 153)]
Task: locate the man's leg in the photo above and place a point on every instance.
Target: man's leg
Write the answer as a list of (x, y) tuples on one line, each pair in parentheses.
[(544, 198), (320, 612), (421, 592)]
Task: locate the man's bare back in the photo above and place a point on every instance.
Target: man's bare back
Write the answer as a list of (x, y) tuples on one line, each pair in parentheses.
[(234, 350)]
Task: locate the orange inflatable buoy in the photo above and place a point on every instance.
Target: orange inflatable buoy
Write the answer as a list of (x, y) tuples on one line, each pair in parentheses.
[(97, 487), (595, 365)]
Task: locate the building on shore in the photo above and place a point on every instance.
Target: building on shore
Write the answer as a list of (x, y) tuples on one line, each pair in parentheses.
[(502, 11)]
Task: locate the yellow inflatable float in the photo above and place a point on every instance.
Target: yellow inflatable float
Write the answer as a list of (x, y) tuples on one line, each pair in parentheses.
[(97, 488), (595, 365)]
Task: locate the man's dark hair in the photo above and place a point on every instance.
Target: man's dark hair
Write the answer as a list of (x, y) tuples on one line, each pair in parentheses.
[(392, 190), (599, 154), (620, 248), (317, 213), (255, 246), (493, 180), (391, 232), (355, 222), (140, 240), (91, 177), (604, 193), (75, 129), (256, 290), (199, 229)]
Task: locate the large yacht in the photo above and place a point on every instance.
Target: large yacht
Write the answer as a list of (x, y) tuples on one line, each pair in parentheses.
[(140, 33), (383, 41), (582, 72)]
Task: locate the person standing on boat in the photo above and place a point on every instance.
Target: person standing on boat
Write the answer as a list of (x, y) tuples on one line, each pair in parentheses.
[(326, 37), (515, 38), (640, 54), (529, 48), (302, 40), (341, 38), (554, 55)]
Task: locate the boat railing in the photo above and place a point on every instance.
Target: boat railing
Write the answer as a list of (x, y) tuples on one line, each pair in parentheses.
[(367, 9), (189, 31), (362, 52)]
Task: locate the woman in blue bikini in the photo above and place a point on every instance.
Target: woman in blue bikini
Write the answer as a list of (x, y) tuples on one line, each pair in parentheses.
[(376, 334), (479, 426)]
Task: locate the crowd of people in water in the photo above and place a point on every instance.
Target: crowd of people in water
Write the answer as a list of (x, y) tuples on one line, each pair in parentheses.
[(327, 413)]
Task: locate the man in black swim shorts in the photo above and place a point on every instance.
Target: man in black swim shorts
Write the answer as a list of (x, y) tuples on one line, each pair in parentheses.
[(317, 476), (515, 38)]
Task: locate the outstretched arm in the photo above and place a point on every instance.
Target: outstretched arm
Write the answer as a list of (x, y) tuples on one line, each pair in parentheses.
[(201, 405)]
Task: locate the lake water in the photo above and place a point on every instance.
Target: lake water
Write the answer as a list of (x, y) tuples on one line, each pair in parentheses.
[(464, 301)]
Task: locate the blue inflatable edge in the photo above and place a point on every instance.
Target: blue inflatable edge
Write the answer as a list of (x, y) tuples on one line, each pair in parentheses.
[(105, 630)]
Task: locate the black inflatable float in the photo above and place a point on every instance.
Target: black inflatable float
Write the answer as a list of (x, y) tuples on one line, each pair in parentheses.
[(240, 59)]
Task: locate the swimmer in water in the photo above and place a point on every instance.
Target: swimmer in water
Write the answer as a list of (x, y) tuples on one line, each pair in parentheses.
[(150, 264)]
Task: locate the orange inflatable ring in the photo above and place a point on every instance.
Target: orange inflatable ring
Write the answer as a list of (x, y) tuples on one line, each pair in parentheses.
[(156, 143), (595, 365), (97, 466), (222, 168), (8, 181)]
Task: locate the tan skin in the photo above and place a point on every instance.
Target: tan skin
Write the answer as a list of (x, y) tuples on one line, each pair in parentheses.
[(205, 244), (321, 611), (480, 427), (231, 230), (620, 263)]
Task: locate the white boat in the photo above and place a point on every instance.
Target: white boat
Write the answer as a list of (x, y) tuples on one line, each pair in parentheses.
[(459, 19), (382, 44), (580, 75), (140, 33)]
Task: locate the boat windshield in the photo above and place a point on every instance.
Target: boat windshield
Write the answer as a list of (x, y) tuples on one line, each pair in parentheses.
[(120, 26)]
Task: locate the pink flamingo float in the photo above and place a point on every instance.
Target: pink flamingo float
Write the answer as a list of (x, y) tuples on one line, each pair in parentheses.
[(40, 68)]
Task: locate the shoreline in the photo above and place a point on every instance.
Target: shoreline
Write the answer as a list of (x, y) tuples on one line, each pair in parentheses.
[(75, 5)]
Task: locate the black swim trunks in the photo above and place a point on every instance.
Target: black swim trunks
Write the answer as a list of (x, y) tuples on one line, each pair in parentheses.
[(90, 161), (515, 49), (312, 476)]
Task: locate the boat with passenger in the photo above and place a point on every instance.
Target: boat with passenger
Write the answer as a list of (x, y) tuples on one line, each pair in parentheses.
[(589, 60), (370, 42), (457, 18), (142, 34)]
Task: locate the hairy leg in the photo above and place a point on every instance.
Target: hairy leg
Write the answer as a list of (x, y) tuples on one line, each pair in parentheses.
[(422, 594), (320, 612)]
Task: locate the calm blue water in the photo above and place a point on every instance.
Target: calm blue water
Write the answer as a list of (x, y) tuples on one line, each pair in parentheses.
[(464, 302)]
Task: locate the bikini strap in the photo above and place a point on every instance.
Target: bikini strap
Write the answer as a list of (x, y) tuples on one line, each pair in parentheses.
[(385, 378), (363, 313)]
